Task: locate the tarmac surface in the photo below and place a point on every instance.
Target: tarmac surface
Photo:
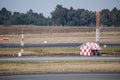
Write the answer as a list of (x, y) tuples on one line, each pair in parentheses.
[(57, 59), (63, 76), (45, 45)]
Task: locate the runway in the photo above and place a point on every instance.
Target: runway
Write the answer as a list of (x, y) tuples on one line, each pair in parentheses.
[(57, 59), (52, 45), (63, 76)]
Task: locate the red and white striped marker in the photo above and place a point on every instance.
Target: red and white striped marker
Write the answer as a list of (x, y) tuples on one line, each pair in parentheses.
[(22, 42), (97, 27)]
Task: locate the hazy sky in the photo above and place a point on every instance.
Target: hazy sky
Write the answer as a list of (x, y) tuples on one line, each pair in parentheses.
[(47, 6)]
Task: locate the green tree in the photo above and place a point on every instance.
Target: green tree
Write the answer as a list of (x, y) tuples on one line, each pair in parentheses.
[(19, 18), (59, 16), (115, 17), (86, 18), (72, 17), (5, 15), (105, 17)]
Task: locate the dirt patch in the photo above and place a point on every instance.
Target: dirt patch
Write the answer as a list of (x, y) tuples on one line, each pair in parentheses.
[(29, 29)]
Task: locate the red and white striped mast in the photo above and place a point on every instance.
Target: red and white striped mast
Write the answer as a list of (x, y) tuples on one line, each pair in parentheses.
[(22, 42), (97, 27)]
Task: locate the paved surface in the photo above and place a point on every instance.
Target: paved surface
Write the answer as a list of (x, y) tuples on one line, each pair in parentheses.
[(52, 45), (54, 59), (64, 76)]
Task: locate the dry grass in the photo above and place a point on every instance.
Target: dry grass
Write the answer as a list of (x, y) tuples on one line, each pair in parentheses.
[(64, 51), (12, 52), (30, 29), (52, 34), (111, 51), (76, 37), (79, 66)]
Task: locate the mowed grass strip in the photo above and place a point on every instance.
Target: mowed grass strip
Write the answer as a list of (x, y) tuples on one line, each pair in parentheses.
[(45, 67), (56, 51), (111, 51)]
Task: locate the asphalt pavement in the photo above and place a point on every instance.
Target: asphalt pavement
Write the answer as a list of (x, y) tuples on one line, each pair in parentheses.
[(52, 45), (56, 59), (63, 76)]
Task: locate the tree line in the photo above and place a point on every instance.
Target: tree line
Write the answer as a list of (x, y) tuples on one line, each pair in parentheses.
[(61, 17)]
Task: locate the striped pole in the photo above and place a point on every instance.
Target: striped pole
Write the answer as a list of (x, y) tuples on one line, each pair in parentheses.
[(97, 27), (22, 42)]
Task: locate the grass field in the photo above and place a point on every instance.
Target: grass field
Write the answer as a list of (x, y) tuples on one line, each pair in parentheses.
[(39, 34), (76, 37), (52, 34), (45, 67), (65, 51), (58, 34), (30, 29)]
